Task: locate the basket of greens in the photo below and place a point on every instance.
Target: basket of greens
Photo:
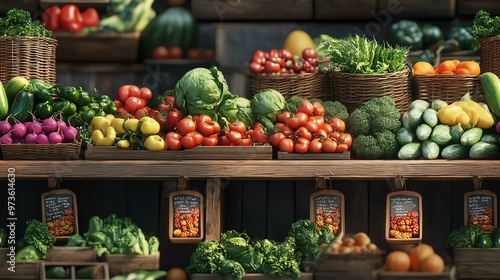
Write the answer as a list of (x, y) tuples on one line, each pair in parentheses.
[(486, 31)]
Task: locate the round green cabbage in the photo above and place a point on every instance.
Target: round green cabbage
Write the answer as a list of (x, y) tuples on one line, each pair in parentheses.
[(235, 109)]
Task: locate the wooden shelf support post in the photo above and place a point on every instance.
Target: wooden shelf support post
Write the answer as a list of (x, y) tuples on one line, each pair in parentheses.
[(213, 221)]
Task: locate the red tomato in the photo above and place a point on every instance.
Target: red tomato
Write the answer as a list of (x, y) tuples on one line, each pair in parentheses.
[(276, 138), (133, 103), (233, 136), (170, 100), (50, 18), (337, 124), (298, 120), (311, 126), (186, 125), (146, 93), (329, 145), (243, 142), (302, 145), (345, 138), (210, 141), (173, 140), (286, 54), (121, 112), (198, 138), (283, 116), (286, 145), (162, 107), (175, 52), (255, 67), (306, 107), (239, 126), (134, 91), (341, 147), (320, 120), (258, 56), (334, 135), (174, 116), (259, 135), (321, 133), (118, 103), (319, 110), (161, 118), (309, 53), (224, 141), (142, 112), (207, 128), (302, 132), (316, 146), (271, 67), (123, 93), (160, 52), (208, 54), (193, 53), (327, 128)]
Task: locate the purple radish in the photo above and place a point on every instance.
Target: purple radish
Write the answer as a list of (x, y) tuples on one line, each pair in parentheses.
[(35, 127), (61, 125), (42, 139), (55, 137), (6, 139), (70, 133), (31, 138), (5, 127), (49, 125), (18, 130)]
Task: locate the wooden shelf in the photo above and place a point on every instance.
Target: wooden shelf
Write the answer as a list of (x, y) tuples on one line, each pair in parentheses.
[(255, 169)]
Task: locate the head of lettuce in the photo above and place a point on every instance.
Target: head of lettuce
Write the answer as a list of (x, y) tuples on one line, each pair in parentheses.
[(201, 91)]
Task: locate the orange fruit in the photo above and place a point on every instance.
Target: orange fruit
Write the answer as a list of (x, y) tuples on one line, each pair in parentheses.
[(432, 263), (468, 68), (397, 261), (422, 68), (417, 254), (448, 66)]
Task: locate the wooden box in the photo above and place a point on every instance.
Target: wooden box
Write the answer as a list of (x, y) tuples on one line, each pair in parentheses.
[(91, 152), (248, 276), (352, 266), (119, 47), (23, 270), (411, 9), (469, 8), (313, 156), (344, 9), (448, 274), (477, 262), (70, 254), (346, 275), (99, 271), (224, 10), (120, 264)]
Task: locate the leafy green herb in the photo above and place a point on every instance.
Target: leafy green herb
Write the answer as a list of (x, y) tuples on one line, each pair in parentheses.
[(484, 26), (18, 22), (356, 54), (38, 235), (465, 237)]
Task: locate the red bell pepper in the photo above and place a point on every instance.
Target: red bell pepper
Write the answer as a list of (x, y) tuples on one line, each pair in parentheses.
[(90, 17), (71, 19), (50, 18)]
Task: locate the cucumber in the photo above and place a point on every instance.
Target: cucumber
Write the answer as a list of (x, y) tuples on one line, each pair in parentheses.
[(455, 151), (438, 104), (484, 150), (430, 149), (490, 138), (471, 136), (410, 151), (56, 272), (414, 118), (456, 132), (430, 117), (4, 103), (423, 132), (405, 136), (441, 134), (15, 85), (490, 90), (419, 104), (23, 106)]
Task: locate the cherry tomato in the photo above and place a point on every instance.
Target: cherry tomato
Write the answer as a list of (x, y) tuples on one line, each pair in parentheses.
[(239, 126), (186, 125), (175, 52), (316, 146), (123, 93), (193, 53), (283, 116), (329, 145), (286, 145), (146, 93), (319, 110), (210, 140), (160, 52), (233, 136), (341, 147), (276, 138), (337, 124), (306, 107), (311, 126), (173, 140), (345, 138), (302, 145), (259, 135), (303, 133), (309, 53), (298, 120)]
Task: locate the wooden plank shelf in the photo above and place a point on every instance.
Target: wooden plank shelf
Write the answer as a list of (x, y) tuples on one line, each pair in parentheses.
[(452, 170)]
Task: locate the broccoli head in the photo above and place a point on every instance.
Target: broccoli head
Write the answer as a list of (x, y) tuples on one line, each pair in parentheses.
[(335, 109), (293, 103), (358, 123), (388, 144), (381, 145), (383, 114)]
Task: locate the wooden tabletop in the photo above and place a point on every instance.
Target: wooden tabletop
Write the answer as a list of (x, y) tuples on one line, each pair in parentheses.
[(254, 169)]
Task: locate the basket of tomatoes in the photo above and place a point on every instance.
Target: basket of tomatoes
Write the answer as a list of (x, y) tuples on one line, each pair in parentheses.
[(291, 75)]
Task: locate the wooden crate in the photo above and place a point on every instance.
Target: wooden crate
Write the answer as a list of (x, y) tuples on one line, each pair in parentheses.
[(119, 47), (23, 270), (70, 254), (248, 276), (477, 262), (120, 264), (91, 152), (346, 275), (412, 9), (313, 156), (224, 10), (100, 269), (469, 8), (345, 9), (448, 274)]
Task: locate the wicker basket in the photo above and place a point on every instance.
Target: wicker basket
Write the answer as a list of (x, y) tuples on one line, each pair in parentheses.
[(353, 90), (490, 55), (449, 88), (62, 151), (33, 57), (308, 85)]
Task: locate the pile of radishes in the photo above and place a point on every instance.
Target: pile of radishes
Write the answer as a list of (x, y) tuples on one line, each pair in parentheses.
[(47, 131)]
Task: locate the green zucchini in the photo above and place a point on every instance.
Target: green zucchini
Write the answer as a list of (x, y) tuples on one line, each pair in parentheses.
[(471, 136), (57, 272), (4, 103), (430, 149), (490, 90), (23, 106), (410, 151), (455, 151), (484, 150), (13, 86)]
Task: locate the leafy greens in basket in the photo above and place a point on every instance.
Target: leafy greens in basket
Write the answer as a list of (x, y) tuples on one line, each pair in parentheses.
[(359, 55)]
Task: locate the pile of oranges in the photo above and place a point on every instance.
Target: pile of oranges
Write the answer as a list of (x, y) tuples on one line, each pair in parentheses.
[(448, 67)]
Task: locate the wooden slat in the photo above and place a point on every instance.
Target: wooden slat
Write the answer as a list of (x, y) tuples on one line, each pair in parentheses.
[(470, 8), (256, 169), (232, 198), (344, 9), (213, 209), (411, 9), (280, 209)]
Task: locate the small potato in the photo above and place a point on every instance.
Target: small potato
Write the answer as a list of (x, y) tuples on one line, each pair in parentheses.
[(348, 241), (356, 249), (345, 250), (372, 247), (334, 249), (362, 239)]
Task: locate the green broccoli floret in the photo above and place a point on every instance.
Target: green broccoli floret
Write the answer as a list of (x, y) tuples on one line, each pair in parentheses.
[(388, 144), (18, 22), (383, 114), (335, 109), (366, 147), (358, 123), (293, 103)]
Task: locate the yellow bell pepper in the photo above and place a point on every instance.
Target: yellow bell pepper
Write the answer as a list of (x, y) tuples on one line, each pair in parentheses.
[(452, 115), (117, 124), (155, 143), (104, 137), (132, 125), (149, 126), (123, 143), (466, 112), (99, 123)]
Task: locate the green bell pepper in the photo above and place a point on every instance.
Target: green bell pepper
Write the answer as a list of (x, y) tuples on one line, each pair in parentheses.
[(432, 34), (495, 237), (69, 93), (43, 110), (86, 114), (66, 107), (484, 241), (107, 105), (3, 238), (463, 37), (42, 95), (84, 98), (406, 33)]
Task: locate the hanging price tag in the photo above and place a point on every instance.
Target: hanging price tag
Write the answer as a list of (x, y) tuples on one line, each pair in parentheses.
[(403, 223), (327, 209), (186, 217), (480, 208), (60, 213)]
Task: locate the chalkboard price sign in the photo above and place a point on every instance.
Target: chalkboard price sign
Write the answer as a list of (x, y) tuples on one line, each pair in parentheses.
[(404, 217), (327, 209), (480, 209), (60, 213), (186, 217)]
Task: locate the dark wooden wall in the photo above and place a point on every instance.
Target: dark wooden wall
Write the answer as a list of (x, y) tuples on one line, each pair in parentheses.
[(261, 208)]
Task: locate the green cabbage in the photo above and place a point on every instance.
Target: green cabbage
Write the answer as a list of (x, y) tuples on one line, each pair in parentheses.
[(235, 109), (266, 104), (201, 91)]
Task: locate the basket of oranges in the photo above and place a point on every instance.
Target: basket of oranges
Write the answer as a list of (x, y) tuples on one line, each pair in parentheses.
[(448, 82)]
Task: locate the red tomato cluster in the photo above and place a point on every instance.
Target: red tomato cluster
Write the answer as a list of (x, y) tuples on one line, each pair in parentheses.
[(283, 62), (166, 114), (69, 18), (187, 224), (176, 52), (63, 226), (404, 227), (133, 101), (484, 219), (306, 131), (329, 217), (193, 131)]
